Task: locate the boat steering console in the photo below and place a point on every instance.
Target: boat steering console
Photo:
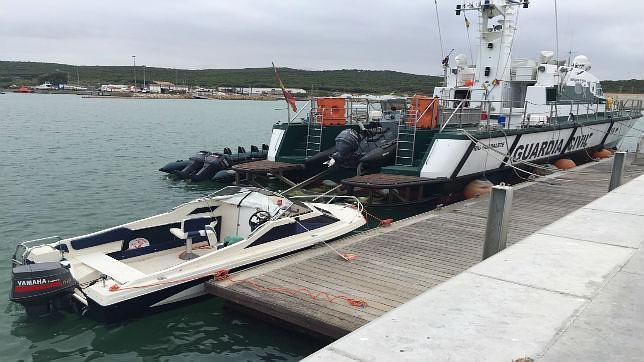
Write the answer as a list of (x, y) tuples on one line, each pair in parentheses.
[(258, 218)]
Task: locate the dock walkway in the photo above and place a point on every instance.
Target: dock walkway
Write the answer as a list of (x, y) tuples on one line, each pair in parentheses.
[(572, 291), (398, 263)]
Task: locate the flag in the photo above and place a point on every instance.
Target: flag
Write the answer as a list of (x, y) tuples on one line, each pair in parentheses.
[(287, 95), (467, 22)]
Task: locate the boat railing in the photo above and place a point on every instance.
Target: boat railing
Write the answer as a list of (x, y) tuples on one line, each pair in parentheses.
[(356, 110), (578, 110), (19, 254), (307, 105), (462, 112), (629, 107), (460, 104), (331, 199)]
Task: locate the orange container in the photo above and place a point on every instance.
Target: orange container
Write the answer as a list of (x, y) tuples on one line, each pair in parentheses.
[(426, 108), (331, 111)]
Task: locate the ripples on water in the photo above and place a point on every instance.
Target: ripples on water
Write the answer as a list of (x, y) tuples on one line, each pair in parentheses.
[(70, 166)]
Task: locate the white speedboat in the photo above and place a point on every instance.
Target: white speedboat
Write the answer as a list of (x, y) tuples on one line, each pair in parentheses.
[(130, 269)]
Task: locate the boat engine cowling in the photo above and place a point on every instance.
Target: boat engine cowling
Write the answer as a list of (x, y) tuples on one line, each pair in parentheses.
[(213, 163), (347, 144), (196, 162), (39, 287)]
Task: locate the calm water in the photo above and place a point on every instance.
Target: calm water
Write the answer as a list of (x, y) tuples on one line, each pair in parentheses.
[(71, 165)]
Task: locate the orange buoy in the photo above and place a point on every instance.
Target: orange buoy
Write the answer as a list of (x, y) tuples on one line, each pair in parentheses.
[(477, 188), (564, 164), (601, 154)]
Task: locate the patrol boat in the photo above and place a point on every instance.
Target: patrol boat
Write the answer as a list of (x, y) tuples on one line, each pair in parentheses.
[(496, 113), (144, 265)]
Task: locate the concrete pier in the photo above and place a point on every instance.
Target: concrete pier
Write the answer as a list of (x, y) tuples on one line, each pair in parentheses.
[(572, 291), (400, 262)]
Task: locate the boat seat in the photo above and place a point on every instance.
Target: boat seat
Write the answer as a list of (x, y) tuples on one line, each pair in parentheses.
[(120, 272), (209, 231)]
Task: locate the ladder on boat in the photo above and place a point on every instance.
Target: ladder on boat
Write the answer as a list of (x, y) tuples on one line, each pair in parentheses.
[(406, 139), (313, 136)]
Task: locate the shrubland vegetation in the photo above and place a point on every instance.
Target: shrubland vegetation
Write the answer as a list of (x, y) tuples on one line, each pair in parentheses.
[(325, 81), (346, 80)]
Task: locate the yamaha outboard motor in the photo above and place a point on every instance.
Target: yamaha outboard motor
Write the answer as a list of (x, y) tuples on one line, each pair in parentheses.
[(195, 165), (40, 287), (212, 164), (347, 145)]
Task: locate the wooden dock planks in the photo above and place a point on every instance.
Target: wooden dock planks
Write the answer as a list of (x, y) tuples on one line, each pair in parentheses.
[(397, 263)]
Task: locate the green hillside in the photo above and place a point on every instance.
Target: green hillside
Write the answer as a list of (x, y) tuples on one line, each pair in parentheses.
[(623, 86), (358, 81), (346, 80)]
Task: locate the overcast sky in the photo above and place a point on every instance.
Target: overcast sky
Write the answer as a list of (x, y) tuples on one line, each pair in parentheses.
[(306, 34)]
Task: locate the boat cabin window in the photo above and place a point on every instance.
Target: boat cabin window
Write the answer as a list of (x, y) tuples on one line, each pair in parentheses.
[(551, 94)]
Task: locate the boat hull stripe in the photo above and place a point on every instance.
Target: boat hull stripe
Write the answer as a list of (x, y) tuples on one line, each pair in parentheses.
[(612, 122), (461, 163), (572, 135), (512, 147)]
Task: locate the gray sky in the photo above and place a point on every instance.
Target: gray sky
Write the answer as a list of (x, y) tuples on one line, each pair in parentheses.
[(306, 34)]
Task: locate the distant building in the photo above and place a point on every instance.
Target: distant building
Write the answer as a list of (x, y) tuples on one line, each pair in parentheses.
[(115, 88), (72, 87), (260, 91), (166, 87)]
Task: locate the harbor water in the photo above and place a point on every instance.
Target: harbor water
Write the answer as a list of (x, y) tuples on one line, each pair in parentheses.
[(73, 165)]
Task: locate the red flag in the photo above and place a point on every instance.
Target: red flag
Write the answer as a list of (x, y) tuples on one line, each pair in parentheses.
[(287, 95)]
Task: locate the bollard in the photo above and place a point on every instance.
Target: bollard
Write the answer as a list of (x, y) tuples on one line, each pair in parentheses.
[(617, 172), (639, 153), (498, 218)]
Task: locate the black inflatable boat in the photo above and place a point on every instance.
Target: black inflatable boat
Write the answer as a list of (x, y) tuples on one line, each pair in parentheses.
[(205, 165)]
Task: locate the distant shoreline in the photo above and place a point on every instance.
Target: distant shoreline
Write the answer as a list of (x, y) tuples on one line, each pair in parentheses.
[(96, 95)]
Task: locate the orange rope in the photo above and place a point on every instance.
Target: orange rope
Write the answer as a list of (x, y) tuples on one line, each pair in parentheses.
[(382, 222), (223, 274)]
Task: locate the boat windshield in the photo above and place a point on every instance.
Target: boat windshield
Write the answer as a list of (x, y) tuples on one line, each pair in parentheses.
[(277, 205), (232, 190), (295, 208)]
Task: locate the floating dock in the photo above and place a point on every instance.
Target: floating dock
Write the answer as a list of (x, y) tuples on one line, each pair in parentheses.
[(248, 171), (317, 291), (401, 189)]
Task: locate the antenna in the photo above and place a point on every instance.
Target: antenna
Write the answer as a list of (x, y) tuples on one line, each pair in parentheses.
[(570, 53), (556, 32)]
